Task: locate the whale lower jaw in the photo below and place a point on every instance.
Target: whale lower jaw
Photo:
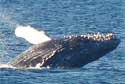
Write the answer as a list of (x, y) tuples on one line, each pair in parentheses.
[(69, 52)]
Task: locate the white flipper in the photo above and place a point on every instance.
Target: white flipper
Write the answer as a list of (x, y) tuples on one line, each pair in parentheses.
[(32, 35)]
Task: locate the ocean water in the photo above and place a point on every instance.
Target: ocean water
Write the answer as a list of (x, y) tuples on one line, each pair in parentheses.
[(59, 18)]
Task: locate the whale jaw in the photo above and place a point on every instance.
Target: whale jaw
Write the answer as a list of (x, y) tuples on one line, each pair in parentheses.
[(69, 52)]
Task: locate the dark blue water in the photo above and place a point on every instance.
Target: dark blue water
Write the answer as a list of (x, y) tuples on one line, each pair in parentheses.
[(58, 18)]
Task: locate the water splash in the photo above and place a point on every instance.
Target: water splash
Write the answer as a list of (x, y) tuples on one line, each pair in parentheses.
[(12, 67), (7, 18), (6, 66)]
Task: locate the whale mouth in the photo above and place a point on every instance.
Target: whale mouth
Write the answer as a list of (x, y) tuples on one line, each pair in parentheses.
[(95, 36)]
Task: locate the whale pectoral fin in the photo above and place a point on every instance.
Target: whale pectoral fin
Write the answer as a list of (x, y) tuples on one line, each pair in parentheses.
[(32, 35)]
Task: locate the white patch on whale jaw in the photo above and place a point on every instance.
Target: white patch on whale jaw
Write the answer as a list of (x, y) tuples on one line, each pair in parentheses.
[(30, 34)]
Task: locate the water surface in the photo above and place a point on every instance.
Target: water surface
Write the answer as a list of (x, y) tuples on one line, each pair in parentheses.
[(58, 18)]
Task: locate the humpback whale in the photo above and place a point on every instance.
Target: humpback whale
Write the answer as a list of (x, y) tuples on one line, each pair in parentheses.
[(71, 51)]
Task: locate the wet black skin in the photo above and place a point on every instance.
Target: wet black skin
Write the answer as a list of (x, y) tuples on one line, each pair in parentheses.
[(70, 52)]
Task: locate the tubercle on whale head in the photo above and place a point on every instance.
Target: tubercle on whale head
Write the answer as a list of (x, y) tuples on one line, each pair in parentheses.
[(94, 36)]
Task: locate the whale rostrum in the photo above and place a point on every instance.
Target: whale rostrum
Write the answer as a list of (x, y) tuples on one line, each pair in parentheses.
[(72, 51)]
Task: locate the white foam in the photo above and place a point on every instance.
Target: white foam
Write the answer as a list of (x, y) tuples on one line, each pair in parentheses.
[(36, 67), (9, 66), (30, 34), (6, 66)]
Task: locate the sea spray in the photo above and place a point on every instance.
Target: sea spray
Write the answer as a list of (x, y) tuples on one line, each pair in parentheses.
[(2, 48), (9, 24)]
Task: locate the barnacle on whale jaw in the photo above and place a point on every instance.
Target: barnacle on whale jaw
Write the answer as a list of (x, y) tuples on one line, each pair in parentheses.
[(95, 36)]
